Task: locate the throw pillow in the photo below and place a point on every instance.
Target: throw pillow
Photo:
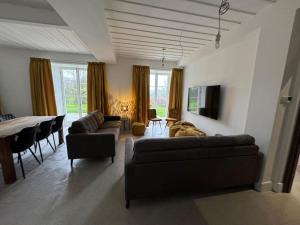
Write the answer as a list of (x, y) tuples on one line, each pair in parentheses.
[(191, 132)]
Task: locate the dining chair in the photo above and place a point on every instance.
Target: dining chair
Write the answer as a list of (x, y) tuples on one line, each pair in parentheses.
[(23, 141), (43, 133), (152, 116), (172, 117), (7, 117), (58, 124)]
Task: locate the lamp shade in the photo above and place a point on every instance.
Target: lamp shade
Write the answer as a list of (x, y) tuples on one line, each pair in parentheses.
[(124, 108)]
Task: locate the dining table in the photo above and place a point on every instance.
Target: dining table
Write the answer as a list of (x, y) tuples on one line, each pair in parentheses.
[(8, 129)]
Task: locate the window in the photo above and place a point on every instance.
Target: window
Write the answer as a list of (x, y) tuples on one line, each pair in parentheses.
[(159, 91), (70, 84)]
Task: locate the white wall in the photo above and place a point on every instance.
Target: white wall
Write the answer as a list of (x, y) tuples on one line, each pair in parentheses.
[(120, 74), (14, 76), (275, 24), (15, 83), (233, 69)]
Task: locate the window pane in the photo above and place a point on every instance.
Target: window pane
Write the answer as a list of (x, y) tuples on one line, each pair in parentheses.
[(159, 91), (71, 94), (152, 80), (83, 90)]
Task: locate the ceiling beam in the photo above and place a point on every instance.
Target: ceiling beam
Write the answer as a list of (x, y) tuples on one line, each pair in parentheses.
[(32, 16), (86, 19), (146, 45), (146, 57), (164, 19), (163, 27), (159, 43), (153, 54), (160, 33), (147, 51), (217, 6), (179, 11), (157, 38), (149, 55), (151, 49)]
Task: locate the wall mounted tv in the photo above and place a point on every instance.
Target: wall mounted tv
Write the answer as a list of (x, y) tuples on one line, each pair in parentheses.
[(204, 101)]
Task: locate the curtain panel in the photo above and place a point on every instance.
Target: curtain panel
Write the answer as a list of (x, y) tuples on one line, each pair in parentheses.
[(140, 93), (97, 95), (42, 90), (175, 97)]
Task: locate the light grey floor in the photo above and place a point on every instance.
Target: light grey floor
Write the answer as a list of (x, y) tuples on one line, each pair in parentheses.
[(93, 193)]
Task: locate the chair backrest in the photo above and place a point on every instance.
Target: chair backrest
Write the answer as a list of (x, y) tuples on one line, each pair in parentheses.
[(24, 139), (7, 117), (58, 123), (44, 130), (151, 114)]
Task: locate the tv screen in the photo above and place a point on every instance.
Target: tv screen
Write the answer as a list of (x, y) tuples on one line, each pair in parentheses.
[(204, 101)]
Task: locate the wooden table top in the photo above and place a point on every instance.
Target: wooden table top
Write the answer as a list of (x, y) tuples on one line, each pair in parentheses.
[(10, 127)]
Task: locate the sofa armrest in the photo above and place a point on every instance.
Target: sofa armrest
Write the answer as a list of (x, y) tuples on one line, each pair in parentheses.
[(129, 169), (129, 151), (111, 118), (90, 145)]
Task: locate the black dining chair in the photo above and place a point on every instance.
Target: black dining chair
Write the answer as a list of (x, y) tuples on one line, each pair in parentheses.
[(43, 133), (58, 124), (7, 117), (23, 141)]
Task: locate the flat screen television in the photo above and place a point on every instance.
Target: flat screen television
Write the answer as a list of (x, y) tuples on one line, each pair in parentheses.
[(204, 101)]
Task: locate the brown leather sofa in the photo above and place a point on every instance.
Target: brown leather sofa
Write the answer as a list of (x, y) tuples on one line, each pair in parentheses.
[(166, 166), (93, 136)]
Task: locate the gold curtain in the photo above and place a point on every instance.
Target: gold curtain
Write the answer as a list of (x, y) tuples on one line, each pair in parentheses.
[(140, 93), (42, 90), (97, 95), (175, 97)]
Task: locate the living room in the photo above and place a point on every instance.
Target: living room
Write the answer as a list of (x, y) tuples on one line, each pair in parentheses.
[(248, 51)]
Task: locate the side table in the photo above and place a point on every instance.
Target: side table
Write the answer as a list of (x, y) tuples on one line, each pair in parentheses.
[(125, 123)]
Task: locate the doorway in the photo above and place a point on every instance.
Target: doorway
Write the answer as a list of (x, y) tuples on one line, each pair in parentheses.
[(70, 84), (286, 134), (159, 91)]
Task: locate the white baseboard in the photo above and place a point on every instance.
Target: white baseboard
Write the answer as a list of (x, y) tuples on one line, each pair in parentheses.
[(278, 187), (264, 186)]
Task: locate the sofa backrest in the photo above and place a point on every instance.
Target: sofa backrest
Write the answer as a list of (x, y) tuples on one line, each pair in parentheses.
[(87, 124), (187, 148)]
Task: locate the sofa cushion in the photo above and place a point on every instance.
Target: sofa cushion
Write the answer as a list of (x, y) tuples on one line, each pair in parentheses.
[(181, 143), (99, 117), (86, 124), (236, 140), (111, 124), (114, 130), (165, 144), (192, 148)]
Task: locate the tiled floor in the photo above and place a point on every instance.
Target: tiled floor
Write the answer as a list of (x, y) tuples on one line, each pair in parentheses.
[(93, 193)]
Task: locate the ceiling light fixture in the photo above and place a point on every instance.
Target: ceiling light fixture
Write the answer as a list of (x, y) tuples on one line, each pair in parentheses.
[(163, 58), (224, 7)]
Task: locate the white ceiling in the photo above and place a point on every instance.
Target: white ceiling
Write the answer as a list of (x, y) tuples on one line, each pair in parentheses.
[(39, 4), (34, 24), (142, 28), (128, 28), (47, 38)]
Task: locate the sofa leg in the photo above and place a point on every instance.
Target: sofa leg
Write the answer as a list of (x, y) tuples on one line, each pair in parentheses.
[(112, 159), (71, 162), (127, 204)]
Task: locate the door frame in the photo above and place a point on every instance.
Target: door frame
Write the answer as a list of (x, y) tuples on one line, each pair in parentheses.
[(78, 84), (293, 158)]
